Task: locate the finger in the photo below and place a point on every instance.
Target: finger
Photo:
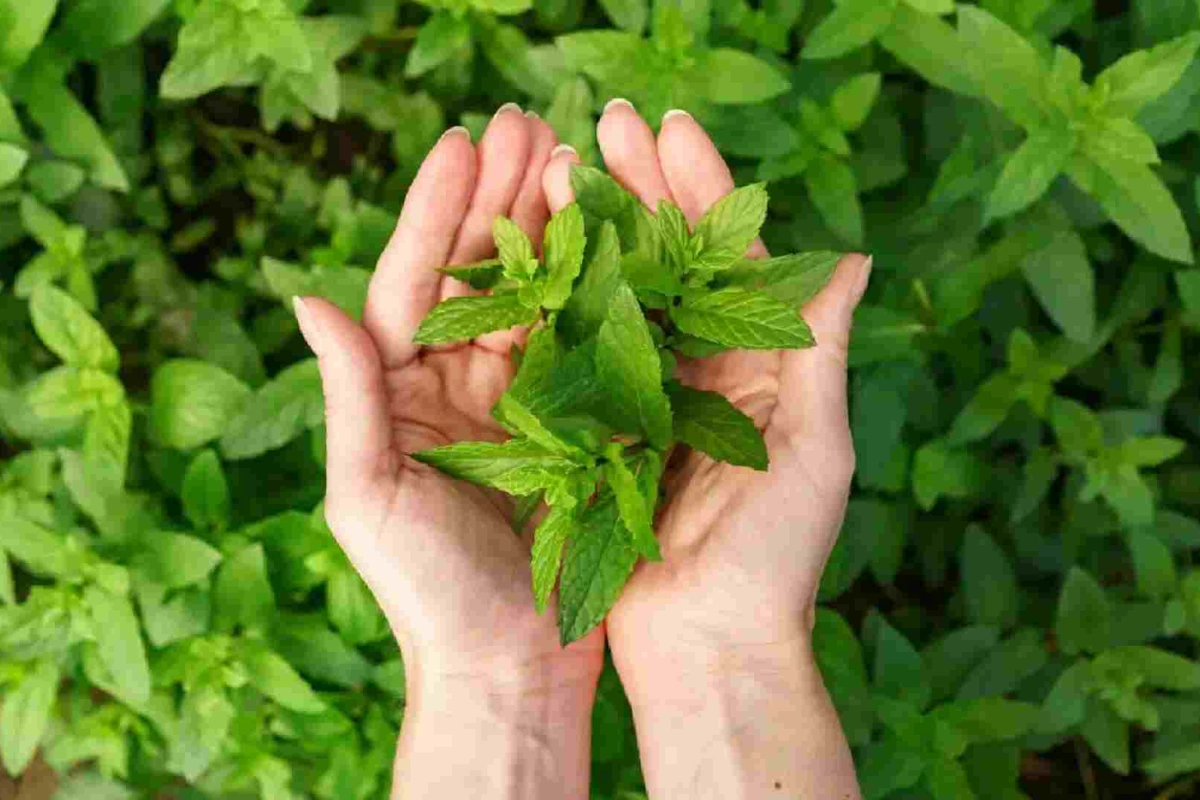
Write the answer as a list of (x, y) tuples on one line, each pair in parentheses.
[(696, 174), (812, 406), (529, 210), (406, 283), (556, 180), (631, 153), (503, 156), (359, 443)]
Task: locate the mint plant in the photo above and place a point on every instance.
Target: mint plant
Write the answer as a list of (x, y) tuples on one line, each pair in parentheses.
[(594, 410)]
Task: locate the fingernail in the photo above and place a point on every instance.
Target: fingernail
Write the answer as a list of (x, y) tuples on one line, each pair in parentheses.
[(675, 112), (531, 114), (616, 102), (864, 279), (563, 148), (308, 326), (455, 131), (504, 109)]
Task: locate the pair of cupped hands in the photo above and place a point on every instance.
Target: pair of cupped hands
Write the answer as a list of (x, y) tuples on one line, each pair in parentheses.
[(742, 550)]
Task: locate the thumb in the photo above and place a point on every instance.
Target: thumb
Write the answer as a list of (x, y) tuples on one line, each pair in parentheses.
[(814, 380), (358, 440)]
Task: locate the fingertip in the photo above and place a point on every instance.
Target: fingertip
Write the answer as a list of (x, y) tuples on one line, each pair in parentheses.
[(556, 179), (831, 313)]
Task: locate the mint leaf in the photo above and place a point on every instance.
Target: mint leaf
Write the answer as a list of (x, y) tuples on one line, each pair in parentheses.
[(27, 712), (205, 493), (833, 187), (461, 319), (1144, 75), (119, 643), (676, 237), (564, 247), (1061, 277), (549, 541), (277, 413), (1027, 175), (242, 594), (192, 402), (440, 38), (1084, 617), (1136, 199), (587, 308), (521, 421), (707, 422), (989, 582), (636, 514), (851, 25), (627, 365), (517, 466), (603, 200), (727, 230), (794, 279), (738, 318), (1153, 565), (70, 331), (852, 101), (176, 560), (734, 77), (599, 561), (653, 281), (930, 47), (1005, 67), (275, 678), (480, 275), (514, 249)]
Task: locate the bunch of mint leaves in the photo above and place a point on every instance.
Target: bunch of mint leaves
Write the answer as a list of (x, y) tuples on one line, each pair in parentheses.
[(594, 409)]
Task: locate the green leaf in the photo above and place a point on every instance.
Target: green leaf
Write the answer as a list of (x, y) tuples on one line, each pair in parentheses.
[(1005, 67), (834, 191), (1144, 75), (192, 402), (636, 515), (986, 410), (1039, 474), (514, 249), (1063, 282), (794, 279), (852, 101), (71, 133), (1137, 200), (1178, 761), (119, 643), (277, 413), (1158, 668), (587, 308), (1004, 669), (627, 364), (205, 717), (480, 275), (931, 6), (549, 541), (629, 15), (897, 671), (275, 678), (70, 331), (1121, 138), (1066, 704), (242, 595), (733, 77), (176, 560), (729, 227), (518, 466), (353, 610), (1150, 451), (92, 27), (40, 550), (939, 471), (521, 421), (888, 765), (599, 561), (27, 712), (930, 47), (460, 319), (1077, 427), (707, 422), (12, 161), (946, 779), (1084, 618), (1153, 565), (564, 247), (948, 660), (851, 25), (1107, 735), (205, 493), (990, 586), (1029, 172), (738, 318), (440, 38), (840, 659), (22, 32)]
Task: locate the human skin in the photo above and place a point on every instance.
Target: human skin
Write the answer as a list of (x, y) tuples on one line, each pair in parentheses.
[(713, 644)]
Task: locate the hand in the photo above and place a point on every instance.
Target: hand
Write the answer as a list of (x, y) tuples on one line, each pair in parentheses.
[(726, 617), (439, 554)]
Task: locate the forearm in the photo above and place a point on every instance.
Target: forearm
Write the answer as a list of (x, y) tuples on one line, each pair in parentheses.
[(474, 741), (758, 725)]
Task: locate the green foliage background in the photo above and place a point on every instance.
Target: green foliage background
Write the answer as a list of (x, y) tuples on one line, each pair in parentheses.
[(1013, 606)]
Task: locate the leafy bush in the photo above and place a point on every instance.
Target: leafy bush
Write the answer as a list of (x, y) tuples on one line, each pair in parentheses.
[(1012, 605)]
